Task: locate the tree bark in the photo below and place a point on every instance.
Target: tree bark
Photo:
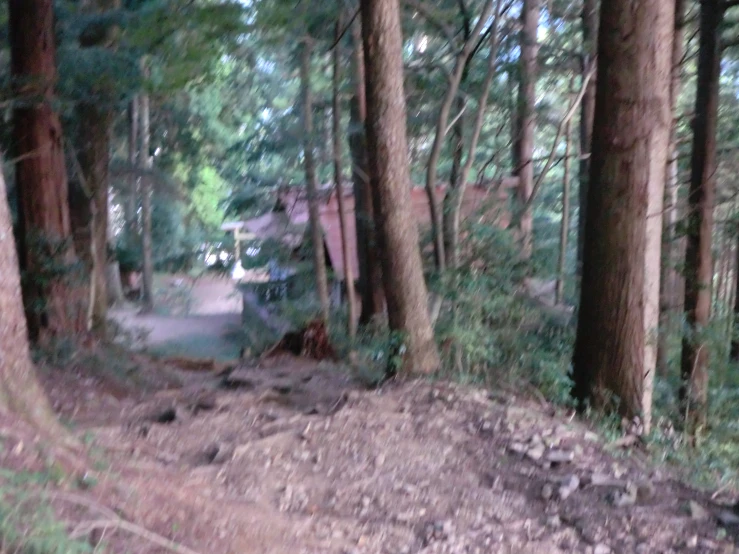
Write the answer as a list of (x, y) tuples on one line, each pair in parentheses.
[(338, 176), (731, 286), (725, 288), (698, 257), (455, 179), (511, 80), (524, 144), (147, 163), (114, 283), (669, 274), (589, 20), (564, 232), (370, 271), (20, 392), (629, 155), (54, 303), (132, 198), (734, 351), (88, 201), (653, 255), (719, 268), (407, 298), (319, 252)]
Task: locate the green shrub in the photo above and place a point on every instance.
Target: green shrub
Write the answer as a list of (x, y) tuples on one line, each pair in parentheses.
[(487, 331), (28, 525)]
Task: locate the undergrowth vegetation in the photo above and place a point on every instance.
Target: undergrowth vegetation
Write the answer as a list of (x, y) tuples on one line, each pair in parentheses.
[(28, 523), (491, 333)]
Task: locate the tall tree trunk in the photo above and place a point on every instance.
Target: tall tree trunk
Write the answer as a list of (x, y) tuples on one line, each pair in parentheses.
[(726, 293), (719, 268), (589, 19), (132, 196), (455, 179), (20, 392), (731, 297), (89, 205), (319, 252), (511, 80), (53, 302), (629, 155), (338, 171), (527, 121), (653, 253), (147, 163), (565, 227), (93, 144), (734, 352), (370, 270), (698, 262), (670, 276), (652, 272), (405, 288)]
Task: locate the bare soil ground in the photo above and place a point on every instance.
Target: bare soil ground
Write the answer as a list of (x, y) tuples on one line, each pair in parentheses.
[(291, 456)]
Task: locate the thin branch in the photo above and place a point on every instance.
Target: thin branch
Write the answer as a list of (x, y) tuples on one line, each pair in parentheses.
[(487, 32), (453, 122), (560, 128), (441, 130), (343, 31), (456, 195), (88, 192)]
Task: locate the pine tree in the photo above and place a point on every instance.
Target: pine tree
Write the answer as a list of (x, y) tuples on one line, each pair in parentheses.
[(629, 155), (388, 163), (698, 258), (53, 306)]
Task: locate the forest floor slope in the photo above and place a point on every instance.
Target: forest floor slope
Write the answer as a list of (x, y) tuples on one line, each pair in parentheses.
[(293, 456)]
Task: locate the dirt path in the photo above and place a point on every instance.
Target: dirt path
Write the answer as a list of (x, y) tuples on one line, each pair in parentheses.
[(207, 327), (293, 457)]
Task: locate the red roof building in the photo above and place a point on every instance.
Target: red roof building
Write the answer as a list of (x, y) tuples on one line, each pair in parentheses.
[(481, 203)]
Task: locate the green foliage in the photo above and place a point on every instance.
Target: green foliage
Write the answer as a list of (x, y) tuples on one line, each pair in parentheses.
[(715, 458), (28, 524), (207, 198), (184, 39), (176, 241), (97, 75), (128, 253), (490, 333)]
